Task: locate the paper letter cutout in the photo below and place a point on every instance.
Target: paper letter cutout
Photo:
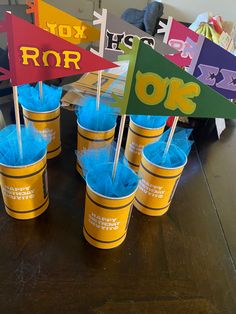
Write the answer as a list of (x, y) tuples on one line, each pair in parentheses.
[(185, 96)]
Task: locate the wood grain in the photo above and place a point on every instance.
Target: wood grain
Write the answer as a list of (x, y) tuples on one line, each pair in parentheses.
[(179, 263)]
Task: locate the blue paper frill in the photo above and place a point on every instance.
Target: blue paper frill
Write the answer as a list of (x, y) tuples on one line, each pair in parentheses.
[(34, 146), (90, 158), (155, 153), (178, 152), (100, 180), (180, 139), (29, 97), (90, 118), (152, 122)]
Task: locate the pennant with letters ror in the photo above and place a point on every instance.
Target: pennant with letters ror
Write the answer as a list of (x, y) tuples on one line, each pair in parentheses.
[(62, 24), (115, 31), (36, 55), (181, 38), (215, 67), (156, 86)]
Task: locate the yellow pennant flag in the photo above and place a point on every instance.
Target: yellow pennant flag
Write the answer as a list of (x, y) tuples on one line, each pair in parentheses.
[(62, 24)]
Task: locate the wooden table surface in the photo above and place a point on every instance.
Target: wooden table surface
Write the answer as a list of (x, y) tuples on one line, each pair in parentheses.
[(183, 262)]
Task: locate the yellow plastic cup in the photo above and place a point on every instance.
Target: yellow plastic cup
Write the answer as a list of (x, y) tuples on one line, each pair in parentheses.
[(90, 139), (106, 219), (48, 124), (157, 186), (138, 137), (25, 189)]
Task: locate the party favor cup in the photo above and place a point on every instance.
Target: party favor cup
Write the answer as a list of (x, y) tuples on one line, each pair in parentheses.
[(90, 139), (48, 124), (157, 187), (106, 219), (138, 137), (25, 189)]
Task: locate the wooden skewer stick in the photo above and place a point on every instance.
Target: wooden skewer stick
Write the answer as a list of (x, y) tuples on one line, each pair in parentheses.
[(170, 138), (99, 85), (118, 146), (17, 116), (41, 90)]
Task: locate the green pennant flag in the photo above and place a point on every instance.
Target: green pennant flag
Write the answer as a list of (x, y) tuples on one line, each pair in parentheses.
[(156, 86)]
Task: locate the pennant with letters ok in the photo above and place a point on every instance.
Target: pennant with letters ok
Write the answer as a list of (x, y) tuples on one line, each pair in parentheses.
[(156, 86)]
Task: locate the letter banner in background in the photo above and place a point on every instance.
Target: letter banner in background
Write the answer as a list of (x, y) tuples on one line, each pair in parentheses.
[(175, 35), (215, 67), (115, 31), (156, 86), (62, 24), (36, 55)]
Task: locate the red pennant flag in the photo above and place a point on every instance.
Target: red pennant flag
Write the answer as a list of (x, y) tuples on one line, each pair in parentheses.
[(36, 55)]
